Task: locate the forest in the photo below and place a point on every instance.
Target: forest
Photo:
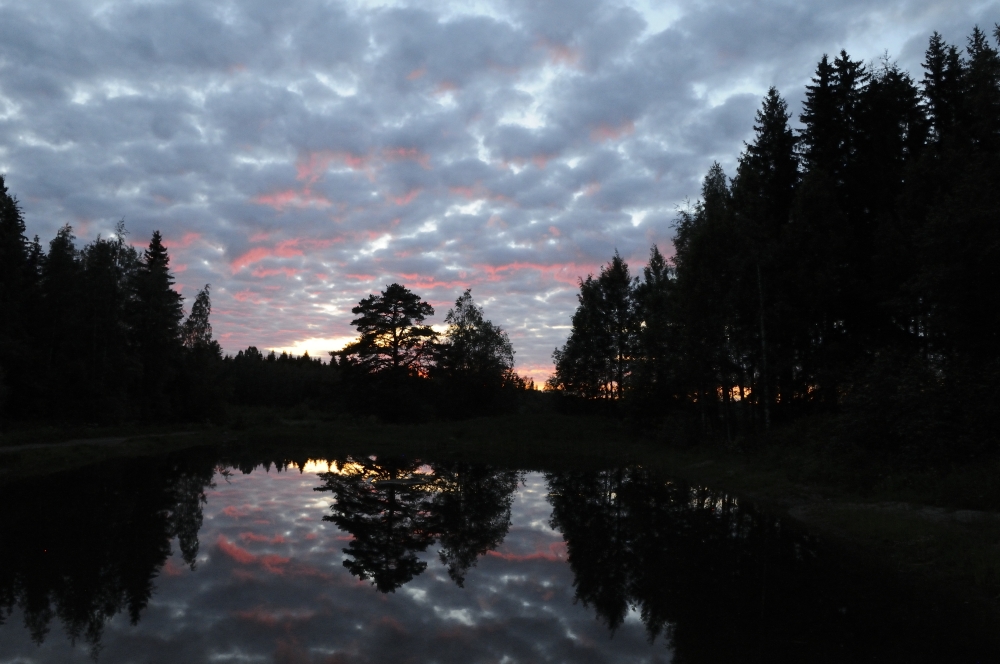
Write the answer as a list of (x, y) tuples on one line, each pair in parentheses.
[(846, 272), (98, 335)]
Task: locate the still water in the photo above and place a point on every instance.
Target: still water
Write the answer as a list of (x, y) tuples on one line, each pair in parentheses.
[(202, 558)]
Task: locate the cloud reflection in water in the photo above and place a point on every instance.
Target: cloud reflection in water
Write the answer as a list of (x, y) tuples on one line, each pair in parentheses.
[(270, 585), (180, 559)]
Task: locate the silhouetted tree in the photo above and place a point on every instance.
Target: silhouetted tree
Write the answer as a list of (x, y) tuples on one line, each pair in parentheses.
[(392, 337), (157, 317), (597, 358), (475, 361), (108, 271), (19, 263)]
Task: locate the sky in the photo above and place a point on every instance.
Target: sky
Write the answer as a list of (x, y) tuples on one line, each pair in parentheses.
[(299, 156)]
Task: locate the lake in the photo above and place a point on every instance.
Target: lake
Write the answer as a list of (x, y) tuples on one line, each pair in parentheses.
[(211, 555)]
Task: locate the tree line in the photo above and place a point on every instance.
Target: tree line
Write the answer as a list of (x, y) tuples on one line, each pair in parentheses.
[(98, 334), (848, 268)]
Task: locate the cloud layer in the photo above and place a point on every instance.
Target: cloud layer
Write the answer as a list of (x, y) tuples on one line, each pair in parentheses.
[(300, 156)]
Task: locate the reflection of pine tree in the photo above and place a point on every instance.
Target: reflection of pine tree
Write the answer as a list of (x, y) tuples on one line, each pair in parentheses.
[(89, 546), (394, 514), (473, 513), (389, 518)]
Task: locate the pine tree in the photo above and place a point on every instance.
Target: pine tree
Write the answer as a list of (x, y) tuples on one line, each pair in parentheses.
[(15, 280), (392, 337), (981, 95), (942, 86), (763, 196), (19, 261), (157, 314)]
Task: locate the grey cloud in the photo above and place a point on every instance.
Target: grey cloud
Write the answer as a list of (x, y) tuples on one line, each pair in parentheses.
[(303, 132)]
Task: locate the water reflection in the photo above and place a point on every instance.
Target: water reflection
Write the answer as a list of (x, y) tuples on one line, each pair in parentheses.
[(387, 510), (88, 546), (204, 557), (472, 508), (690, 560), (396, 507)]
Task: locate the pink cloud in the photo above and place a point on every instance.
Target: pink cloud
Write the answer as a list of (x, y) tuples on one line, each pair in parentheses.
[(171, 568), (291, 198), (271, 618), (271, 563), (185, 241), (561, 54), (444, 87), (416, 73), (287, 271), (401, 153), (408, 197), (542, 160), (555, 552), (430, 283), (284, 249), (538, 372), (250, 296), (567, 273), (606, 132), (478, 191), (254, 537), (239, 511), (242, 556)]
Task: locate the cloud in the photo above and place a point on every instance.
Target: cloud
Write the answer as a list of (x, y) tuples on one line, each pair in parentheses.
[(299, 156)]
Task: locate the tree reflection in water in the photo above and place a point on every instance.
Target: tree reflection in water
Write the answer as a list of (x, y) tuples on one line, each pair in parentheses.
[(386, 508), (472, 509), (396, 507), (722, 580), (89, 546), (728, 582)]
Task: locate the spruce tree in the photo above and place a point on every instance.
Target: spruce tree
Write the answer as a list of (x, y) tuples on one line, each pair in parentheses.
[(157, 314), (18, 297), (942, 86)]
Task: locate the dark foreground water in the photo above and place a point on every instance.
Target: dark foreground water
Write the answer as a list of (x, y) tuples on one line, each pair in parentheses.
[(199, 558)]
